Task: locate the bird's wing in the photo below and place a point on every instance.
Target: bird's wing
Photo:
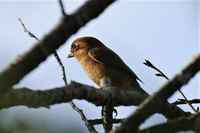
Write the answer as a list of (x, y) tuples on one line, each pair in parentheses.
[(107, 57)]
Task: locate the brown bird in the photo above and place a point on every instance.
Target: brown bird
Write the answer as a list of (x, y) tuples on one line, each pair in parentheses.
[(99, 61)]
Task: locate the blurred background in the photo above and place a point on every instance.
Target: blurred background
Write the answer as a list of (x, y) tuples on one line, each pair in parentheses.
[(164, 32)]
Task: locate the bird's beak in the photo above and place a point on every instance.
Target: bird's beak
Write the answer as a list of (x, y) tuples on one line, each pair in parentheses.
[(70, 55)]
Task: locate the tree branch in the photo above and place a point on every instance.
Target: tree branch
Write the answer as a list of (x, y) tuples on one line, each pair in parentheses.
[(87, 123), (182, 101), (181, 124), (25, 30), (154, 102), (74, 90), (62, 8), (100, 121), (107, 111), (149, 64), (36, 99), (41, 50)]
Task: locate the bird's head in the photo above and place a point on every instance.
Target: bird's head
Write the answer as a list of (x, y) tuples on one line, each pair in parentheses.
[(81, 46)]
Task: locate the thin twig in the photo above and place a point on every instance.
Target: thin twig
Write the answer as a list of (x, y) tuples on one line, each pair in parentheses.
[(25, 30), (149, 64), (55, 53), (182, 101), (100, 121), (62, 67), (186, 100), (89, 126), (87, 123), (61, 5)]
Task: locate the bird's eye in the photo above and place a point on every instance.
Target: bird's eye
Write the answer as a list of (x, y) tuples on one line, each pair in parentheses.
[(74, 46)]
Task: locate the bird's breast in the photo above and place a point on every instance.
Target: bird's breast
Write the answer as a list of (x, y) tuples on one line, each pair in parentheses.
[(94, 70)]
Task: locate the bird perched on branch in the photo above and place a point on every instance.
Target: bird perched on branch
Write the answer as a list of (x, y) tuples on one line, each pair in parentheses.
[(99, 61)]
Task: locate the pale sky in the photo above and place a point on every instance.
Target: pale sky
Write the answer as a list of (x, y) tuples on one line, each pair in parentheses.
[(164, 32)]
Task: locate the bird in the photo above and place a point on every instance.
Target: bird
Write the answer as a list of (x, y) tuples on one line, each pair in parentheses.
[(99, 61)]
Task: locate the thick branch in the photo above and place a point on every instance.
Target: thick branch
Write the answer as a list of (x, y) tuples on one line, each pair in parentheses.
[(36, 99), (181, 124), (66, 27), (152, 103)]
